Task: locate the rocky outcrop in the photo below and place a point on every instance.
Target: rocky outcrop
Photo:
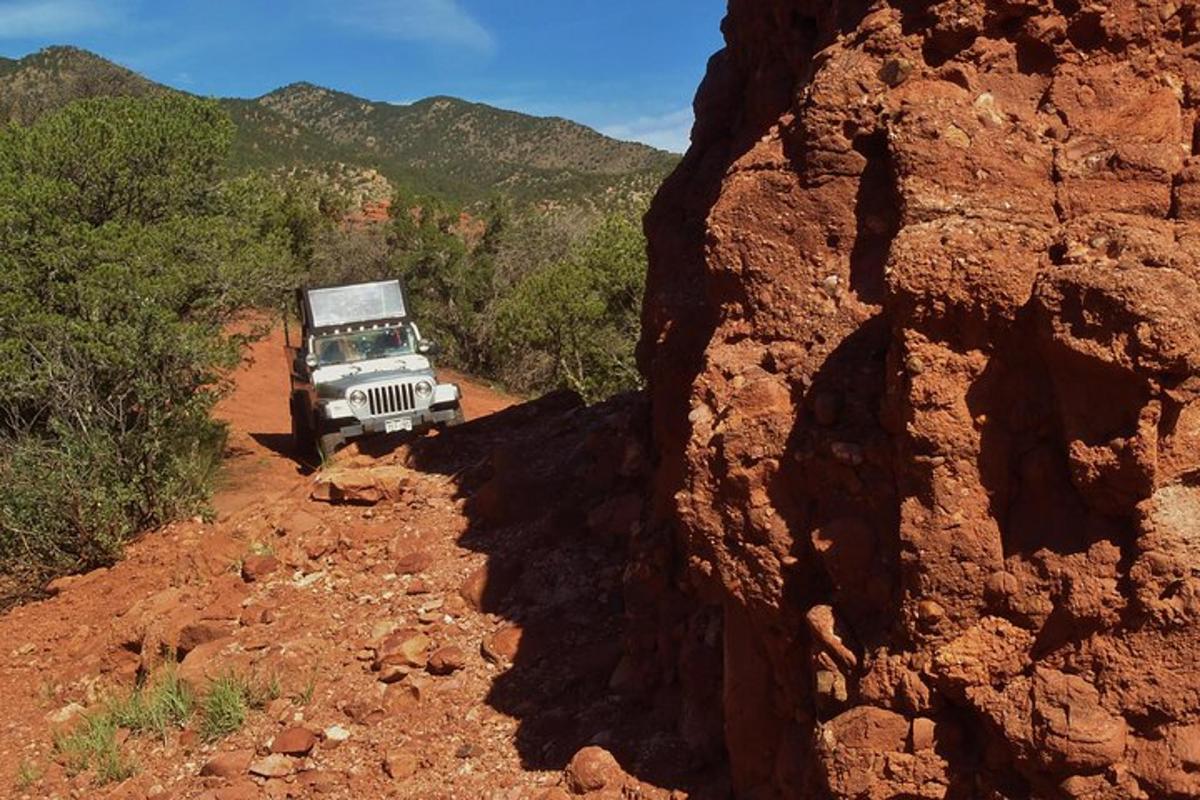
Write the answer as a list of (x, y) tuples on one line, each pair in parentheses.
[(923, 337)]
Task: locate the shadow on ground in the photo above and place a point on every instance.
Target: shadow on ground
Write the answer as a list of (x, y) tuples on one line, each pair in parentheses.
[(554, 494), (282, 444)]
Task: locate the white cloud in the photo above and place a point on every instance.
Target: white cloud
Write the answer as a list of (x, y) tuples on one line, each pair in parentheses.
[(24, 19), (437, 21), (671, 131)]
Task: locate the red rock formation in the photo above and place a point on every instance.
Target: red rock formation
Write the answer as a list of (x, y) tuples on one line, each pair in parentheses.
[(923, 336)]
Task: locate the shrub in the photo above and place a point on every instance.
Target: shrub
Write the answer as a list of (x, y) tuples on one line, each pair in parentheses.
[(581, 314), (125, 256)]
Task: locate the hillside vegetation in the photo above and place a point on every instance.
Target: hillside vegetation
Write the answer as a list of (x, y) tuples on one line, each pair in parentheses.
[(457, 151), (138, 223), (125, 257)]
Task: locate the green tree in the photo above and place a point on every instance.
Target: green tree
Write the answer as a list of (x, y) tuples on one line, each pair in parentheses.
[(574, 324), (124, 257), (450, 275)]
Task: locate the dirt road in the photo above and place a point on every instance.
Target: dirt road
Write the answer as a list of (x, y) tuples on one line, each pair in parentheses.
[(261, 459), (457, 635)]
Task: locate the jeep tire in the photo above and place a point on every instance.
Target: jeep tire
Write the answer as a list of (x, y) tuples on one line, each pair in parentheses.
[(328, 444), (303, 440)]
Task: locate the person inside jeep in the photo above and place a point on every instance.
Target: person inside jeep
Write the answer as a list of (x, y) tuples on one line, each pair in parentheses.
[(355, 347)]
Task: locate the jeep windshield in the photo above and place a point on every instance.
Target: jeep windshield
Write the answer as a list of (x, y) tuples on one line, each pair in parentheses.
[(351, 348)]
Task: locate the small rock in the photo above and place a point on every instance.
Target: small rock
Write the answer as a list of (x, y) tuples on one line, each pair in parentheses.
[(468, 750), (365, 712), (455, 606), (474, 587), (823, 625), (405, 648), (335, 735), (244, 789), (295, 741), (591, 769), (485, 588), (228, 765), (446, 660), (399, 764), (255, 568), (930, 612), (895, 71), (826, 407), (197, 633), (65, 714), (501, 647), (413, 563), (300, 523), (317, 547), (401, 697), (275, 765)]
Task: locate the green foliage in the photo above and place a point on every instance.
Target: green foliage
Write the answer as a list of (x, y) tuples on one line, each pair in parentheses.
[(579, 317), (164, 704), (125, 256), (28, 776), (460, 151), (93, 745), (229, 701), (452, 281)]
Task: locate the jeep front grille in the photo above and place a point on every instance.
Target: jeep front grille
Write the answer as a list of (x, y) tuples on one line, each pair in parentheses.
[(392, 399)]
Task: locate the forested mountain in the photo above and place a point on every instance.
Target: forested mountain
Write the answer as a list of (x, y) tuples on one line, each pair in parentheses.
[(457, 151)]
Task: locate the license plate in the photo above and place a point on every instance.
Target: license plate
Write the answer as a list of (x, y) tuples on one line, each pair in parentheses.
[(397, 425)]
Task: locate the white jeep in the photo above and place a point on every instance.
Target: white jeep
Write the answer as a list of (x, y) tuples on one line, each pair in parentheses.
[(362, 367)]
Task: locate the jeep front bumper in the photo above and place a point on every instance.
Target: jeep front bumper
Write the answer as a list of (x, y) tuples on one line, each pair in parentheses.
[(416, 421)]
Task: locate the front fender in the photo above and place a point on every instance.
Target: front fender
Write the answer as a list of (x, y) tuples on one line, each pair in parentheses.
[(445, 394)]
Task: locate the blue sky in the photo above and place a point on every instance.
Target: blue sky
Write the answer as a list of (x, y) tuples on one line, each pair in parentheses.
[(626, 67)]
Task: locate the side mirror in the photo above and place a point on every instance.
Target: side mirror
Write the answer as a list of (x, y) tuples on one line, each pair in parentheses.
[(311, 361), (427, 347)]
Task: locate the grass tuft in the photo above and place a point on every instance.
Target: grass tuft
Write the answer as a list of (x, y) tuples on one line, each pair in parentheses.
[(261, 548), (305, 695), (93, 745), (229, 701), (157, 708), (28, 776)]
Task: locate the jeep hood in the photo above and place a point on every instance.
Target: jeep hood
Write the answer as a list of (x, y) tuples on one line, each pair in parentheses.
[(345, 376)]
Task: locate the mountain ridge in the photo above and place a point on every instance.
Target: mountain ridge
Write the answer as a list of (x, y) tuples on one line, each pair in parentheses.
[(456, 149)]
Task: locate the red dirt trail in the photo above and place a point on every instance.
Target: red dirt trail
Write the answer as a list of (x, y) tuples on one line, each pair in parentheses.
[(455, 635)]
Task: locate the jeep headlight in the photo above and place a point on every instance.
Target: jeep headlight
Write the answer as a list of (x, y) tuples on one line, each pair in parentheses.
[(424, 390), (357, 398)]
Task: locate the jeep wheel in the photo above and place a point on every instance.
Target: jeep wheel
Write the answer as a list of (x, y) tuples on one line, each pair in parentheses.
[(303, 441), (328, 444)]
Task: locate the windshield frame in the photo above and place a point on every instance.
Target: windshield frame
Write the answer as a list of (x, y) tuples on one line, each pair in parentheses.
[(356, 347)]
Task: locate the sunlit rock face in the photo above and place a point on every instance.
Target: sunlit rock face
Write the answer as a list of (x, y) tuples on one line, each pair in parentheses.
[(922, 334)]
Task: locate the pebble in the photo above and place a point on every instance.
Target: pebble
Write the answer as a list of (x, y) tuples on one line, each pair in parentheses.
[(400, 764), (592, 769), (228, 765), (446, 660), (255, 568), (335, 735), (502, 646), (294, 741), (276, 765)]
